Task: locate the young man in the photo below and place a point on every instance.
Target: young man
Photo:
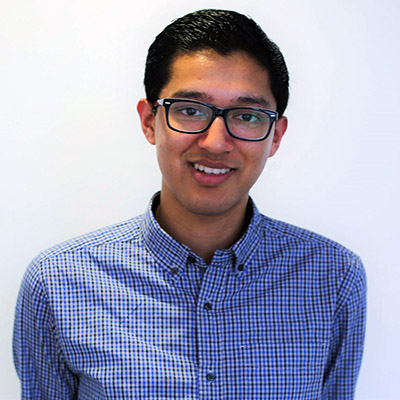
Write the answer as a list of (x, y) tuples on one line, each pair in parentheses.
[(202, 297)]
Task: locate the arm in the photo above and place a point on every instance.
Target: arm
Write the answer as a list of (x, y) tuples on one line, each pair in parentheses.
[(348, 332), (37, 355)]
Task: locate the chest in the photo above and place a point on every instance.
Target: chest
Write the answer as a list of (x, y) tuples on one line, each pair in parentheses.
[(263, 335)]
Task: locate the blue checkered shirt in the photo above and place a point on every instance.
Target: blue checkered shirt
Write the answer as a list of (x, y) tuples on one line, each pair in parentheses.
[(127, 312)]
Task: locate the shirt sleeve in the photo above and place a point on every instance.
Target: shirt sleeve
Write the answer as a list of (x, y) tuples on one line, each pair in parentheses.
[(38, 358), (348, 333)]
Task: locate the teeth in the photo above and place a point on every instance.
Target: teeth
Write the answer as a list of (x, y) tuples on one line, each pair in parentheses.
[(214, 171)]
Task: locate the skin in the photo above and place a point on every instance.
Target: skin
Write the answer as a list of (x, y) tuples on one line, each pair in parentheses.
[(207, 212)]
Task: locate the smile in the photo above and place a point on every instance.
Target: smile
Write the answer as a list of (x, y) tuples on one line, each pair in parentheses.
[(211, 171)]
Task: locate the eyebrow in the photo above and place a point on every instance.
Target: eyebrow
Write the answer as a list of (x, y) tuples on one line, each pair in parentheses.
[(255, 100), (195, 95), (190, 94)]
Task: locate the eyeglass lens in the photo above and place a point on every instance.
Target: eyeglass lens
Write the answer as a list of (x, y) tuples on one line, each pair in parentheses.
[(242, 122)]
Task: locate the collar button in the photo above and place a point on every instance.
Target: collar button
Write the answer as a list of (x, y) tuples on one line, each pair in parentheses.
[(191, 260)]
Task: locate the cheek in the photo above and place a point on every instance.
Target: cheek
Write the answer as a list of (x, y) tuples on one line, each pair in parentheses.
[(171, 147), (165, 156), (257, 156), (172, 144), (258, 167)]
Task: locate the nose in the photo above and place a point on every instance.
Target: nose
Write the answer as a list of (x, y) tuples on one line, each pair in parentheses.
[(216, 139)]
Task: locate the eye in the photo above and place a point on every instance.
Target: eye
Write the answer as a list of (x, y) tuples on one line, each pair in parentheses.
[(188, 110), (249, 117)]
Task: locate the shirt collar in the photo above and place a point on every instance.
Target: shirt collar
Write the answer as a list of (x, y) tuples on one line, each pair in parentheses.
[(245, 247), (174, 256)]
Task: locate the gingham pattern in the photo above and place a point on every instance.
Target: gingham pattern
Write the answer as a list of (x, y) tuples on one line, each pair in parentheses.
[(127, 312)]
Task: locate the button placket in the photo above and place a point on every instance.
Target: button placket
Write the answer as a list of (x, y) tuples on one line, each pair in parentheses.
[(212, 289)]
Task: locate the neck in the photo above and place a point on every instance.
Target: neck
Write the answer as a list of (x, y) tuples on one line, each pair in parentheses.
[(203, 234)]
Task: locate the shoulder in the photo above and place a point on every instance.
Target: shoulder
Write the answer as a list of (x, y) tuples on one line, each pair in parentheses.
[(119, 234), (276, 230), (313, 249), (315, 260)]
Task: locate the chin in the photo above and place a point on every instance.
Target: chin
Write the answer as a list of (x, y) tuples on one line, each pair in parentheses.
[(214, 208)]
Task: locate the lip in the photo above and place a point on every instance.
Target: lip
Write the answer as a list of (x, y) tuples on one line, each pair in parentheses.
[(210, 180), (211, 164)]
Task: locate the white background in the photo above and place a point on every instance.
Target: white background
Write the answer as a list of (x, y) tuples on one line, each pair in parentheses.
[(73, 157)]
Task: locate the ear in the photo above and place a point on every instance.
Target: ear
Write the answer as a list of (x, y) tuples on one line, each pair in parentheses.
[(147, 118), (279, 131)]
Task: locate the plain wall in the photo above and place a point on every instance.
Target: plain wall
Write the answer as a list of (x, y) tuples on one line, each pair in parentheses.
[(73, 157)]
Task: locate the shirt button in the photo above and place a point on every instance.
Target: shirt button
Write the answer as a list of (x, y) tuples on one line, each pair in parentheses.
[(174, 271), (211, 377), (240, 267), (208, 306), (191, 260)]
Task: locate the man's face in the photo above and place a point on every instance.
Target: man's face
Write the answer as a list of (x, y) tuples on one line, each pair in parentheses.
[(223, 81)]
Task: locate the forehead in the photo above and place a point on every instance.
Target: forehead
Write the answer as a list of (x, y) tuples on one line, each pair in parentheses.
[(219, 79)]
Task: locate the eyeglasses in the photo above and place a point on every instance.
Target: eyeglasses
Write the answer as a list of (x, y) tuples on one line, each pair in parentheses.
[(192, 116)]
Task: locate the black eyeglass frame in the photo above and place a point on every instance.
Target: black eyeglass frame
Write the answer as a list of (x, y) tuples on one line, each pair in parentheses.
[(216, 112)]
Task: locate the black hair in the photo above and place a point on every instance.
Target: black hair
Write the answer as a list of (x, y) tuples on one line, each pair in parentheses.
[(223, 31)]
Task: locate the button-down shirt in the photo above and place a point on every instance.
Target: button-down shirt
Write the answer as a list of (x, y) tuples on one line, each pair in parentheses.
[(127, 312)]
